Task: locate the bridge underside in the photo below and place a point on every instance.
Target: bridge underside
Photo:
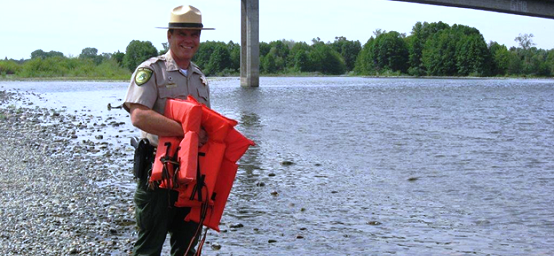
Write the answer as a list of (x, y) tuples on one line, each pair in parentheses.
[(534, 8)]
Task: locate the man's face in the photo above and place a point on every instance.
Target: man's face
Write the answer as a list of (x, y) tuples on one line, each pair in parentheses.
[(183, 43)]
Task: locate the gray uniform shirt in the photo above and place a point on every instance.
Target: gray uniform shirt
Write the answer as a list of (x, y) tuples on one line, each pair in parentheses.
[(166, 81)]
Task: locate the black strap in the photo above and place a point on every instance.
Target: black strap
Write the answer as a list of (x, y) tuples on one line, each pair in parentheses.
[(166, 161), (185, 25), (199, 180), (200, 184)]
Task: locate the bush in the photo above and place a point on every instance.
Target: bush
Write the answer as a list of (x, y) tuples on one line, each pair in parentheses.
[(9, 67), (55, 67)]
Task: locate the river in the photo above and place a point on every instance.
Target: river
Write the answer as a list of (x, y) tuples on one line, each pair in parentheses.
[(370, 166)]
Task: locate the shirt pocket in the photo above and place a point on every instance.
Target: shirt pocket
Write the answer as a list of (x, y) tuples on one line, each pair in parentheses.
[(172, 91)]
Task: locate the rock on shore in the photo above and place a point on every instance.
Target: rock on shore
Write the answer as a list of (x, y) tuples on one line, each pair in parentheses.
[(56, 196)]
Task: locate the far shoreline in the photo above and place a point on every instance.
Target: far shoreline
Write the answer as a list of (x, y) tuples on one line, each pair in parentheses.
[(101, 79)]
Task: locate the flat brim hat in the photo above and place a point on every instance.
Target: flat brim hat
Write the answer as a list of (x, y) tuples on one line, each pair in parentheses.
[(186, 17)]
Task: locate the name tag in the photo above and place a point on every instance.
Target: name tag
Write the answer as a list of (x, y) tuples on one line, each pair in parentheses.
[(171, 85)]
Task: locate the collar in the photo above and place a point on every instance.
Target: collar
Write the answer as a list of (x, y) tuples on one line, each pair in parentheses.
[(171, 65)]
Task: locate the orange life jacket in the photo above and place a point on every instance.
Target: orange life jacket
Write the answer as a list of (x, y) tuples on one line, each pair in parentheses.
[(173, 150), (213, 166), (218, 191)]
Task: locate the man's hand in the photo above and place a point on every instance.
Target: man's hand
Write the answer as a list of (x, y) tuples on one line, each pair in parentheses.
[(152, 122), (202, 137)]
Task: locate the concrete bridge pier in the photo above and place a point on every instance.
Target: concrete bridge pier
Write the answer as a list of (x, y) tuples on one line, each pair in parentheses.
[(250, 44)]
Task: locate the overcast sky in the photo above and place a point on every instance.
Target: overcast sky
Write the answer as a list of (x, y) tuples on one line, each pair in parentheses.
[(69, 26)]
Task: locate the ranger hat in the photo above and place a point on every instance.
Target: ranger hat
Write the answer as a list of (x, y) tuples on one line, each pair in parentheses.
[(186, 17)]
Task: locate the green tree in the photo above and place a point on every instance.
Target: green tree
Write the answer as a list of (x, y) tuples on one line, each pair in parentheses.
[(439, 54), (234, 50), (349, 51), (38, 54), (378, 32), (43, 55), (279, 49), (325, 59), (301, 61), (538, 63), (421, 32), (298, 57), (515, 64), (137, 52), (165, 49), (525, 41), (365, 63), (92, 54), (275, 60), (526, 53), (457, 51), (9, 67), (118, 57), (264, 49), (550, 61), (390, 52), (473, 56), (89, 52), (277, 55), (500, 59), (204, 53), (220, 60), (267, 64), (211, 52)]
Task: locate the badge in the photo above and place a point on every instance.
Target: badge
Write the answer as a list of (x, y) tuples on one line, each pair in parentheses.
[(142, 76), (170, 84)]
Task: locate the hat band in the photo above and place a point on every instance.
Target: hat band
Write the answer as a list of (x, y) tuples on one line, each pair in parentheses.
[(185, 25)]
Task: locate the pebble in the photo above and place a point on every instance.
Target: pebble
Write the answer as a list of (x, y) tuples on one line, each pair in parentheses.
[(53, 202), (216, 246), (286, 163), (236, 225), (413, 179)]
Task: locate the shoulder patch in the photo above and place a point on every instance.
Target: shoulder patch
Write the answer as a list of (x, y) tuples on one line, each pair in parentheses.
[(142, 76)]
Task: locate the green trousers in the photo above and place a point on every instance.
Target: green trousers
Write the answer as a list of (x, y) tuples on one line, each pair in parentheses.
[(156, 216)]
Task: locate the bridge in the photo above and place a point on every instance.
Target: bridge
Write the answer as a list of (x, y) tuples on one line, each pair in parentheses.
[(250, 47)]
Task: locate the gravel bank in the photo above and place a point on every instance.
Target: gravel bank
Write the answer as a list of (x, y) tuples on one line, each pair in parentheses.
[(57, 195)]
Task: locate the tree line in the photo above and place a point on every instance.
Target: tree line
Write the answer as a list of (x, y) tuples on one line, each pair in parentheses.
[(431, 49)]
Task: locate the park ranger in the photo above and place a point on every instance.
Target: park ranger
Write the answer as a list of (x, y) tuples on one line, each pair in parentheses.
[(172, 75)]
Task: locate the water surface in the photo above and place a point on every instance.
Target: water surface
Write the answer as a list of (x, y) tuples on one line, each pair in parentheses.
[(362, 166)]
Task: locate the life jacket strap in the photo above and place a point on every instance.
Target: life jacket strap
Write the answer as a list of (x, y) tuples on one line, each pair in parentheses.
[(198, 233), (166, 161), (197, 190)]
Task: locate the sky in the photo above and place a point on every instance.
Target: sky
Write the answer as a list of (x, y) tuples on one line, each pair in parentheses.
[(69, 26)]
